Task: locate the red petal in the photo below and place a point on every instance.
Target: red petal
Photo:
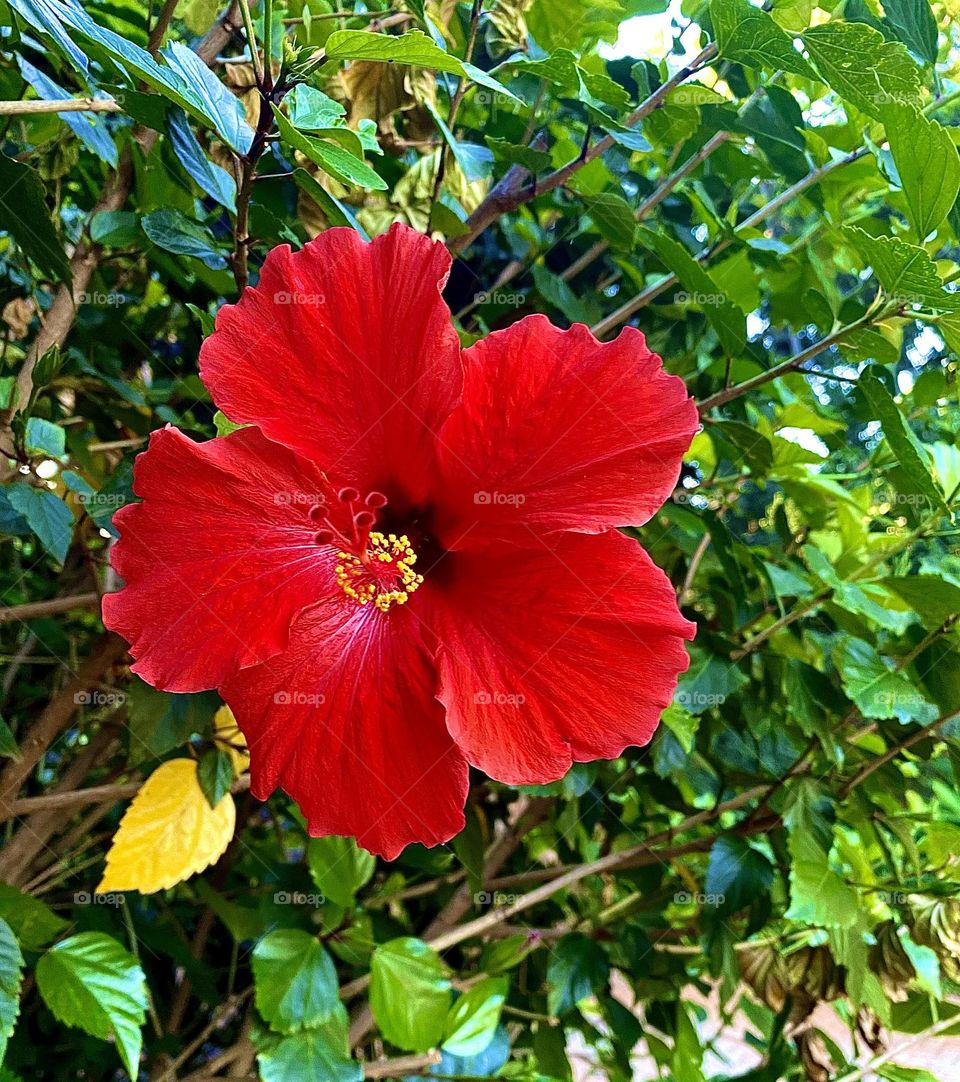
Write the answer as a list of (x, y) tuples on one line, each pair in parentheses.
[(345, 720), (560, 431), (218, 558), (553, 656), (345, 353)]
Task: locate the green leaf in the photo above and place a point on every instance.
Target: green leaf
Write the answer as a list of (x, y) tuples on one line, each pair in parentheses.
[(331, 158), (215, 774), (409, 993), (212, 178), (45, 438), (578, 968), (877, 688), (8, 743), (42, 16), (862, 67), (92, 982), (749, 35), (296, 983), (913, 23), (413, 48), (174, 232), (614, 218), (818, 894), (737, 874), (928, 164), (699, 288), (934, 599), (925, 962), (310, 1054), (534, 161), (311, 110), (682, 724), (905, 271), (161, 722), (224, 110), (221, 422), (11, 977), (474, 1017), (470, 847), (336, 213), (34, 923), (339, 867), (24, 215), (115, 228), (182, 82), (904, 444), (89, 128), (46, 514)]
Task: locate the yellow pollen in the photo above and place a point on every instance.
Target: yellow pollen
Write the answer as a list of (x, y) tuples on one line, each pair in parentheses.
[(379, 586)]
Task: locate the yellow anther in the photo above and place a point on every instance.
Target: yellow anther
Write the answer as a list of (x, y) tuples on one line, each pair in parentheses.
[(382, 585)]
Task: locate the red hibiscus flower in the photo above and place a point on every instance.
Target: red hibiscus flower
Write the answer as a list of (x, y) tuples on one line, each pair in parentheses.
[(409, 562)]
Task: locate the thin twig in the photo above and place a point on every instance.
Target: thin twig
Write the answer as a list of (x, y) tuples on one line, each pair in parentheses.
[(73, 105)]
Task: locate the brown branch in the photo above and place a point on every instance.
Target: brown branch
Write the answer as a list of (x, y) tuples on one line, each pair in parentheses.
[(402, 1065), (505, 198), (642, 299), (159, 29), (48, 608), (892, 753), (54, 719), (97, 794), (728, 394), (19, 854)]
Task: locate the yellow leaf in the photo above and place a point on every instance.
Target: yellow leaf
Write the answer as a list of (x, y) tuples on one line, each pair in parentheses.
[(227, 734), (168, 833)]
